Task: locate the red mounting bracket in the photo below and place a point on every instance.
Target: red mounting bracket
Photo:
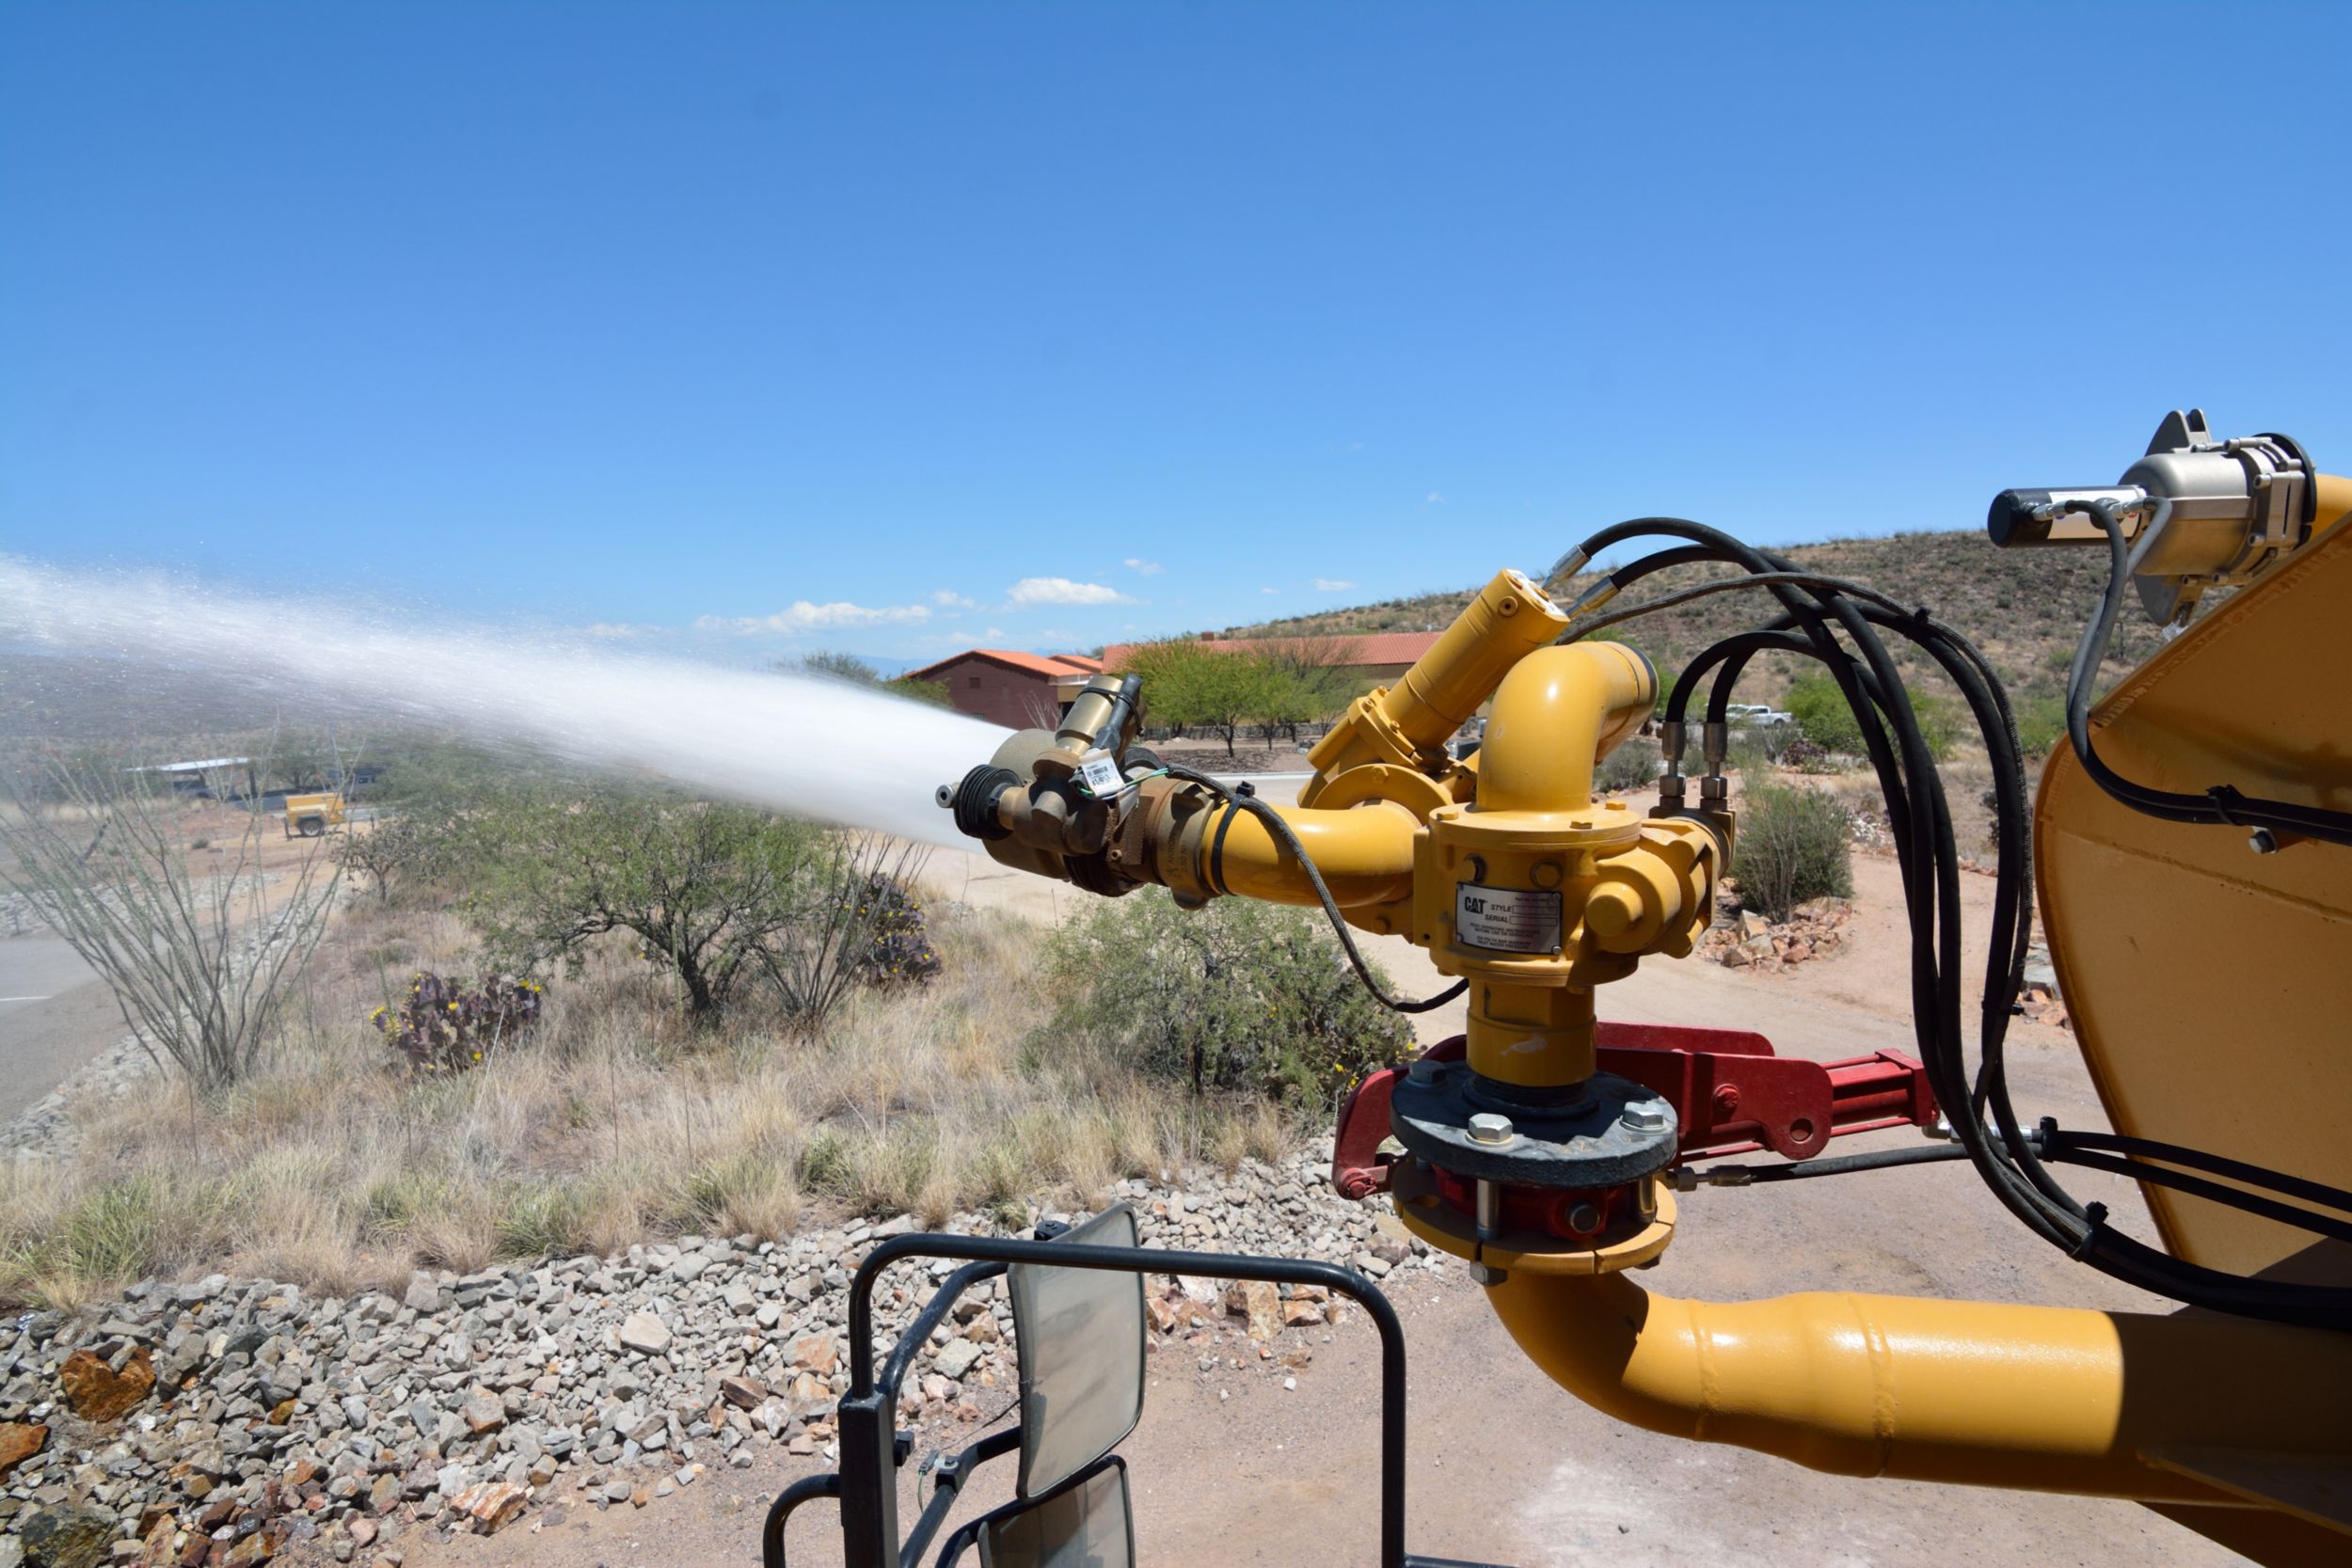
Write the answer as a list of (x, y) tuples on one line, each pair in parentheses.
[(1730, 1094)]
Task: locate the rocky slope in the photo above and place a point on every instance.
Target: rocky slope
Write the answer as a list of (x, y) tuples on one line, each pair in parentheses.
[(225, 1422)]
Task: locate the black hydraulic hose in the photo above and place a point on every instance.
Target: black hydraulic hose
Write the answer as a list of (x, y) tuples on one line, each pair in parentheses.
[(1273, 822), (1731, 653), (1923, 842), (2220, 804), (2198, 1186), (2003, 1156), (1931, 880), (2050, 1134), (2011, 928)]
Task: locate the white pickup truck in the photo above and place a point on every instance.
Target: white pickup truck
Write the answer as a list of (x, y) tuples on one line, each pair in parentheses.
[(1756, 716)]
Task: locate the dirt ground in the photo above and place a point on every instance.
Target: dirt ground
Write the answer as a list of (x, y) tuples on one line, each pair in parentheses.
[(1230, 1468)]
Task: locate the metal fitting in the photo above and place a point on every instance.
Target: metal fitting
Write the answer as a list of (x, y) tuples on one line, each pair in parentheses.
[(1485, 1127), (1584, 1219), (1645, 1116), (1422, 1072), (1714, 745)]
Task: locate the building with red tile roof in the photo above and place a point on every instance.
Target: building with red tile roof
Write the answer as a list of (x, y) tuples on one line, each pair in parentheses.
[(1007, 686)]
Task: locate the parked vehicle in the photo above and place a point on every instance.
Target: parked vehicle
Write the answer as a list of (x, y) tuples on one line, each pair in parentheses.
[(311, 814)]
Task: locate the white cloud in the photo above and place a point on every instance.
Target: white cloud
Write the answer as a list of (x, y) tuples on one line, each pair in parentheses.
[(1030, 591), (1332, 585), (1436, 495), (615, 630), (802, 616), (1269, 591), (1142, 568), (947, 599)]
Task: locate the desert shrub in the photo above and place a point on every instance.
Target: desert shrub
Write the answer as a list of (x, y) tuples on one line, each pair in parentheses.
[(1793, 845), (859, 925), (390, 851), (1634, 765), (173, 936), (447, 1026), (724, 897), (1240, 995), (706, 890), (1804, 756), (2042, 724), (1823, 716), (1749, 757), (930, 693)]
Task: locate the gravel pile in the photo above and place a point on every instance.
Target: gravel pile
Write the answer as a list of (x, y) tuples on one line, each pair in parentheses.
[(1746, 940), (224, 1422), (46, 1129)]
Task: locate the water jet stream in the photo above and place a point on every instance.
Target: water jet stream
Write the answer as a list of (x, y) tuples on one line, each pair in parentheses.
[(815, 748)]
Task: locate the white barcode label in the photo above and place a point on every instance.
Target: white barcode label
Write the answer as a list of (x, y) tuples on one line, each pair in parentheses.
[(1099, 774), (1507, 919)]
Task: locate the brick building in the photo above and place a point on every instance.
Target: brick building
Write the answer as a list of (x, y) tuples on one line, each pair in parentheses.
[(1015, 690)]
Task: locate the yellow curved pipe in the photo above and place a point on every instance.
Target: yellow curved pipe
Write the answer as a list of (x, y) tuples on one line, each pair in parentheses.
[(2036, 1398), (1365, 854), (1553, 716)]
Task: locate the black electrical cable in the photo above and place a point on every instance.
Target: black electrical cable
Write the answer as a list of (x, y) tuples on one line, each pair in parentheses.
[(2220, 804), (2003, 1155), (1284, 836)]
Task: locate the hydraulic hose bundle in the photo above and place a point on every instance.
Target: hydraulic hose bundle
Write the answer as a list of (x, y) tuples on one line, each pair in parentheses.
[(1839, 624)]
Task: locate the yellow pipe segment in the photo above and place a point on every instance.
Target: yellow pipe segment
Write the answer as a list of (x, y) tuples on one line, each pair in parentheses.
[(1365, 855), (2037, 1398), (1407, 724)]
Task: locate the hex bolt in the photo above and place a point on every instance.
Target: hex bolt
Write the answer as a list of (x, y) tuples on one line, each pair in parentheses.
[(1487, 1127), (1424, 1073), (1645, 1116), (1490, 1211)]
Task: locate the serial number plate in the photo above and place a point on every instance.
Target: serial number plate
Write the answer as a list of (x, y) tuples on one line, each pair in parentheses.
[(1507, 919), (1099, 774)]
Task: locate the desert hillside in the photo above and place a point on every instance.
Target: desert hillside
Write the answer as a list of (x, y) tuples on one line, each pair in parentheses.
[(2023, 607)]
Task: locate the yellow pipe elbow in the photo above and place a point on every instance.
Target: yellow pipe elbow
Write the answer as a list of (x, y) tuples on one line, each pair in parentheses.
[(1553, 716), (2034, 1398)]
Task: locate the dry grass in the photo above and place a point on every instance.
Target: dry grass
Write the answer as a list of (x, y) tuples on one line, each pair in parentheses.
[(615, 1121)]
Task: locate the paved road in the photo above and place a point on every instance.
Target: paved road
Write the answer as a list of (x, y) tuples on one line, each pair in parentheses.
[(55, 1015)]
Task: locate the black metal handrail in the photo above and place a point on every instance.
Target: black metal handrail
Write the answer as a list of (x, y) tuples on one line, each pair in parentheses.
[(865, 1540)]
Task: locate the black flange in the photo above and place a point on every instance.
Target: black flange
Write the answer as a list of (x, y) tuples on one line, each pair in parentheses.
[(1616, 1130)]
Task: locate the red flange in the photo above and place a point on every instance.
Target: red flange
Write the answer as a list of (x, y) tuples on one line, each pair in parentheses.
[(1730, 1094)]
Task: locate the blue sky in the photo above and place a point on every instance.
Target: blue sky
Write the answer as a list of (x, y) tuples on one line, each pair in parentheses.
[(896, 328)]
